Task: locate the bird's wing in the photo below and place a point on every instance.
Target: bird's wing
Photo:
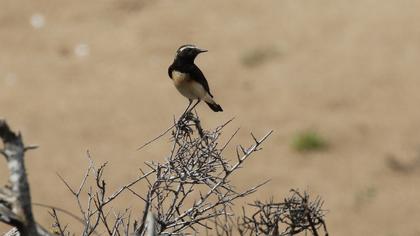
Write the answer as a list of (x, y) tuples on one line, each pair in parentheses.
[(170, 69), (198, 76)]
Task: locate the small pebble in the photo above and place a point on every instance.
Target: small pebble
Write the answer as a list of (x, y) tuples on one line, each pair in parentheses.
[(37, 21), (82, 50)]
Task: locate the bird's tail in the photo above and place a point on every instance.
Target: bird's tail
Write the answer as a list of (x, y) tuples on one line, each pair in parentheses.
[(214, 106)]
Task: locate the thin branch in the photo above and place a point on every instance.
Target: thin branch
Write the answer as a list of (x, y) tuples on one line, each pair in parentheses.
[(156, 138), (59, 210)]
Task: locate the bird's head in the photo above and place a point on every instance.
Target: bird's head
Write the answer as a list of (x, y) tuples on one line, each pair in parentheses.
[(188, 52)]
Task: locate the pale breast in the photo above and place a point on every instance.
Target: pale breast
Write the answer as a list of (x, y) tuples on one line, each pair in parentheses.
[(188, 87), (179, 77)]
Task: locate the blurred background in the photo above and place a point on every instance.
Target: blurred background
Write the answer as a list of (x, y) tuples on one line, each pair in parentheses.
[(338, 82)]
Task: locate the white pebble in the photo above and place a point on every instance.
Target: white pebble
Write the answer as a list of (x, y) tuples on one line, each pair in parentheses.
[(82, 50), (37, 21)]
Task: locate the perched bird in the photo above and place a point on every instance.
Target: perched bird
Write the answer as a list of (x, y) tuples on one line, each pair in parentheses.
[(188, 78)]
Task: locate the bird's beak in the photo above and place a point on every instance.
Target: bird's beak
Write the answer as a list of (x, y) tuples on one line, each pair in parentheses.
[(202, 50)]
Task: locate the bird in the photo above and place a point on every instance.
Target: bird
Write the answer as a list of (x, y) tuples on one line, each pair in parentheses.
[(188, 78)]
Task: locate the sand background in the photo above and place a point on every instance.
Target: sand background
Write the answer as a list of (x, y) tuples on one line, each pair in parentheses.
[(347, 69)]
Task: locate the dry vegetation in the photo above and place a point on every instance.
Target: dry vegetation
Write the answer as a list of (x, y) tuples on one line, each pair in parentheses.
[(190, 190)]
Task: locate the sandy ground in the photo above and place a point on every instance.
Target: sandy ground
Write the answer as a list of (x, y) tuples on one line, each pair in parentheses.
[(94, 76)]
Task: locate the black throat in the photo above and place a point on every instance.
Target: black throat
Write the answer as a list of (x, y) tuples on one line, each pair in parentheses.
[(182, 63)]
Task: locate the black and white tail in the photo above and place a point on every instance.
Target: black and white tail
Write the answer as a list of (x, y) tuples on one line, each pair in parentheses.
[(214, 106)]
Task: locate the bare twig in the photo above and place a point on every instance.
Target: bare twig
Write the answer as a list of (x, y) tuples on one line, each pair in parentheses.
[(61, 230), (58, 209), (156, 138)]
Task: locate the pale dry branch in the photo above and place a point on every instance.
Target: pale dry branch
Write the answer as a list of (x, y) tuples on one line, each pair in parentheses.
[(15, 201)]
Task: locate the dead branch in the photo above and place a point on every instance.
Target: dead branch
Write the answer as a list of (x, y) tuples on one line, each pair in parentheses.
[(15, 201)]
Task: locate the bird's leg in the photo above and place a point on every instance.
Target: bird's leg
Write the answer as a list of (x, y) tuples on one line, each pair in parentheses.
[(187, 110), (198, 101)]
